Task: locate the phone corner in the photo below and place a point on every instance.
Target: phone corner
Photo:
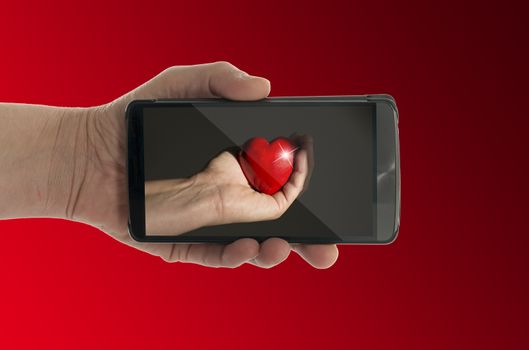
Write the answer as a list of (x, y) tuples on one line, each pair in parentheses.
[(386, 99), (132, 105), (135, 237), (392, 238)]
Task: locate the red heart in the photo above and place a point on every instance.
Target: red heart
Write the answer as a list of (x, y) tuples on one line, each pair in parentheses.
[(267, 166)]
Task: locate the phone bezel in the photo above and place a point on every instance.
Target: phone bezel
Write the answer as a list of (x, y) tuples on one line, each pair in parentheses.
[(387, 167)]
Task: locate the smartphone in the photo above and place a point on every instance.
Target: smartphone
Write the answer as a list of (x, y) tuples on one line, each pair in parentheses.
[(351, 190)]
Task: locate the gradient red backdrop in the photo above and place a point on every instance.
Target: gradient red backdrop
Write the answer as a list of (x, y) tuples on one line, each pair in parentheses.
[(455, 278)]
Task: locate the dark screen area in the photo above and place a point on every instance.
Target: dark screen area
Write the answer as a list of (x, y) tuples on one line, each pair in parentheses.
[(339, 201)]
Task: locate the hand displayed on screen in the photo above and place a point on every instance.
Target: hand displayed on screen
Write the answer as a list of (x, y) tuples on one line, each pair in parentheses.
[(221, 194)]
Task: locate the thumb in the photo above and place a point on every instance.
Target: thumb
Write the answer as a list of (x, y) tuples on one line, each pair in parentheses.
[(218, 79)]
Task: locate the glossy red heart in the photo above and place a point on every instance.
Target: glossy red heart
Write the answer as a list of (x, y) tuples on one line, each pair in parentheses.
[(267, 166)]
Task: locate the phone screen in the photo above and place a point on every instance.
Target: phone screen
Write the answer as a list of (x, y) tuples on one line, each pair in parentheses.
[(337, 204)]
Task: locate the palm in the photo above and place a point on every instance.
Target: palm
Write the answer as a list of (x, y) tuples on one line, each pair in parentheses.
[(240, 202)]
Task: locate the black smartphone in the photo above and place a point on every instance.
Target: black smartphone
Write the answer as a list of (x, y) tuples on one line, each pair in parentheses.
[(350, 170)]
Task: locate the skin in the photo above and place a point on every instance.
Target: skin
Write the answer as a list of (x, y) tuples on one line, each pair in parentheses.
[(70, 163), (221, 194)]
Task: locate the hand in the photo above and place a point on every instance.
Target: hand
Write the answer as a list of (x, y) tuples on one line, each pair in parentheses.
[(97, 190), (218, 195)]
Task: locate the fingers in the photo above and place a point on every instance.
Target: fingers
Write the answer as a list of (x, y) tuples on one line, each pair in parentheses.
[(272, 252), (303, 140), (294, 186), (217, 255), (218, 79), (306, 142), (320, 256)]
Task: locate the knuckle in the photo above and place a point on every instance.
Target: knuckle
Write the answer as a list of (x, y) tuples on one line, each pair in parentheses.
[(170, 71), (167, 70), (223, 65)]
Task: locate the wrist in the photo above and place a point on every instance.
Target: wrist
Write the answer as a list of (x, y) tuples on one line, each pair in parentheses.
[(38, 160), (173, 207), (209, 197)]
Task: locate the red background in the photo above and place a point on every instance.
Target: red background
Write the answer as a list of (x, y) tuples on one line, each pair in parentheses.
[(455, 278)]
